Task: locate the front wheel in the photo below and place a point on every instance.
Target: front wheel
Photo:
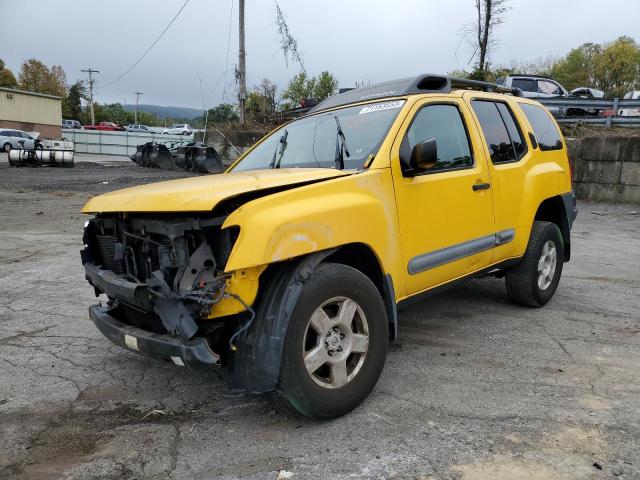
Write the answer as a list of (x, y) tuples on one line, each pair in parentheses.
[(336, 344), (534, 281), (6, 147)]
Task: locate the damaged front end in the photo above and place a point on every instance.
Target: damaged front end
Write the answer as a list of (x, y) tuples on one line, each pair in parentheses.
[(168, 294)]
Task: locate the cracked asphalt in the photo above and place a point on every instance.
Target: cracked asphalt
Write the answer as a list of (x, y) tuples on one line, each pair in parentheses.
[(475, 388)]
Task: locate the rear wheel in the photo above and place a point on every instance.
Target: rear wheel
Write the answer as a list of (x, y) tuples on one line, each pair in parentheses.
[(6, 147), (336, 344), (534, 281)]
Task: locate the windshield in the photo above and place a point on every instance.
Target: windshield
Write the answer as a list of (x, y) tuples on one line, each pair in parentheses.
[(315, 141)]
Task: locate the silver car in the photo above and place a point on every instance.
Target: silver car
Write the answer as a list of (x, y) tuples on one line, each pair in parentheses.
[(10, 138)]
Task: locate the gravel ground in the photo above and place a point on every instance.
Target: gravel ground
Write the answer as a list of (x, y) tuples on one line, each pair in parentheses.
[(475, 388)]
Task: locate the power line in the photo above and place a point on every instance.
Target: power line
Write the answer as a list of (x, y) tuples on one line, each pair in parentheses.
[(148, 49)]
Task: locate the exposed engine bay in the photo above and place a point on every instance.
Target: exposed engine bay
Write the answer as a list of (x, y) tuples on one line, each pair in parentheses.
[(164, 274)]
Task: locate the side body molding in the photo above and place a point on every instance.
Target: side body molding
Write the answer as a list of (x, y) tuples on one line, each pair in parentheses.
[(434, 259)]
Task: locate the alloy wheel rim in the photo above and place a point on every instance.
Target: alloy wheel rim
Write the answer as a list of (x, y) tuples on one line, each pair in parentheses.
[(547, 265), (335, 342)]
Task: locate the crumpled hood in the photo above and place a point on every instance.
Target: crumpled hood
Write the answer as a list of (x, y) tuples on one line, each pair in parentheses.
[(202, 193)]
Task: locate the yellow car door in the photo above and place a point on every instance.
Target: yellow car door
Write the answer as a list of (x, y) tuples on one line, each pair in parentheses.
[(445, 211)]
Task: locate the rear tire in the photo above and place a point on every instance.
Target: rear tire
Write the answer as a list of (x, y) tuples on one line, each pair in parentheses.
[(6, 147), (535, 279), (336, 344)]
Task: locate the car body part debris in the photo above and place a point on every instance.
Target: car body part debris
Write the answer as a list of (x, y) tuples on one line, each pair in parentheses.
[(191, 157), (287, 270)]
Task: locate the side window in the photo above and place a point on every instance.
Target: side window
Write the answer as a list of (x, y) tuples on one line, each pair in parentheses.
[(545, 86), (500, 130), (444, 124), (544, 128), (515, 135), (524, 84)]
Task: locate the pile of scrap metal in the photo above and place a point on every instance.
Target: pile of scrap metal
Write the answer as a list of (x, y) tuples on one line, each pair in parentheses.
[(192, 157), (45, 153)]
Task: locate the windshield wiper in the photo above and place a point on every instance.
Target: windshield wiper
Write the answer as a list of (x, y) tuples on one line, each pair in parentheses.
[(282, 144), (341, 146)]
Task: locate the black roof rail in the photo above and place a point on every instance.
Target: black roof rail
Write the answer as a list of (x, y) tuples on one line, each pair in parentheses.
[(426, 83), (463, 83)]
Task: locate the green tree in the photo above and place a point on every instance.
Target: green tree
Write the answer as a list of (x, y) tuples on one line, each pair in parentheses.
[(617, 68), (71, 103), (35, 76), (325, 86), (302, 86), (113, 112), (223, 113), (261, 100), (7, 79), (577, 68)]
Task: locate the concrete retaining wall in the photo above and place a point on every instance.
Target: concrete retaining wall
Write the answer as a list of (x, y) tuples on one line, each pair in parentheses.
[(606, 168)]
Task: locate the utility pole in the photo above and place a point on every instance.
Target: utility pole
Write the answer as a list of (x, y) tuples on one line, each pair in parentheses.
[(89, 71), (137, 94), (241, 73)]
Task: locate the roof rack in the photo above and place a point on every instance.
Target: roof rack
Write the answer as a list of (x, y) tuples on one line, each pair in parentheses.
[(426, 83)]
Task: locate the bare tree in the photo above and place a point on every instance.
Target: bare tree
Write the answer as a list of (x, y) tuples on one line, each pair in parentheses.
[(288, 43), (489, 14)]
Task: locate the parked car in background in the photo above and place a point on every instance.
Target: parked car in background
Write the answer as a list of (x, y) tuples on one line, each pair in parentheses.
[(536, 86), (630, 112), (71, 124), (10, 138), (105, 126), (143, 129), (179, 129)]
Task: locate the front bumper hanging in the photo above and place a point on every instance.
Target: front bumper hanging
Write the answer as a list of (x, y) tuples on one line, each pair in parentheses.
[(194, 353)]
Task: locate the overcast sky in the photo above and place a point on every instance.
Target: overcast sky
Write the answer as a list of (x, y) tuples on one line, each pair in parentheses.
[(357, 40)]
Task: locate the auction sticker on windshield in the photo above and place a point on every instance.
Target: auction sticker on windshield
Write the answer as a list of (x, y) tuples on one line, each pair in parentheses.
[(381, 106)]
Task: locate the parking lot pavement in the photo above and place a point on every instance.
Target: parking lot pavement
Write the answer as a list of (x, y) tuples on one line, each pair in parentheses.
[(475, 388)]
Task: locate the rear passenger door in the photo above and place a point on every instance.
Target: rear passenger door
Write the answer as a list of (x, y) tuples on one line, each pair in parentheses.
[(506, 145)]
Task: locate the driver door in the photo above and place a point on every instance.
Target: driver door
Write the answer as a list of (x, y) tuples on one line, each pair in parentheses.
[(446, 211)]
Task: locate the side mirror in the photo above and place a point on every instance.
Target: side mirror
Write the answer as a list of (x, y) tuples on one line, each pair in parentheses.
[(424, 155)]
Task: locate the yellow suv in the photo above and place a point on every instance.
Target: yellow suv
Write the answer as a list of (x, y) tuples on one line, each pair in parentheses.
[(287, 270)]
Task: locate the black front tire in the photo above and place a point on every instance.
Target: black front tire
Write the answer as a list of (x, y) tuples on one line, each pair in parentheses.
[(522, 280), (297, 390), (6, 147)]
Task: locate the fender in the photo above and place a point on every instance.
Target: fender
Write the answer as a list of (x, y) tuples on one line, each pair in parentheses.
[(254, 367), (358, 208)]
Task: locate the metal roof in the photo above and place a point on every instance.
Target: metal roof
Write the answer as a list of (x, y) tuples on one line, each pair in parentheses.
[(24, 92)]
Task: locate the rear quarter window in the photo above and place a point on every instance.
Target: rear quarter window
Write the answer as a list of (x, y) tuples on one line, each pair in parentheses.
[(544, 128), (524, 84)]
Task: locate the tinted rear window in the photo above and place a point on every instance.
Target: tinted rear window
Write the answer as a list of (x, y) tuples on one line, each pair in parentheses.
[(524, 84), (544, 128), (495, 132), (519, 146)]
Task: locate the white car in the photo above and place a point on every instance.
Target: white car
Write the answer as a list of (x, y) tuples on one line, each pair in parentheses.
[(630, 112), (179, 129), (10, 138), (143, 129)]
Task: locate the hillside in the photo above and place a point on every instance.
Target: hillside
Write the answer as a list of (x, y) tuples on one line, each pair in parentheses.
[(166, 112)]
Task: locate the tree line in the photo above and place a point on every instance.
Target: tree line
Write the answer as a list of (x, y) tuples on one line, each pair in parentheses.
[(613, 67)]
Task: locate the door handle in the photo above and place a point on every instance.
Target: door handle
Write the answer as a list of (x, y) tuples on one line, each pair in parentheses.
[(480, 186)]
